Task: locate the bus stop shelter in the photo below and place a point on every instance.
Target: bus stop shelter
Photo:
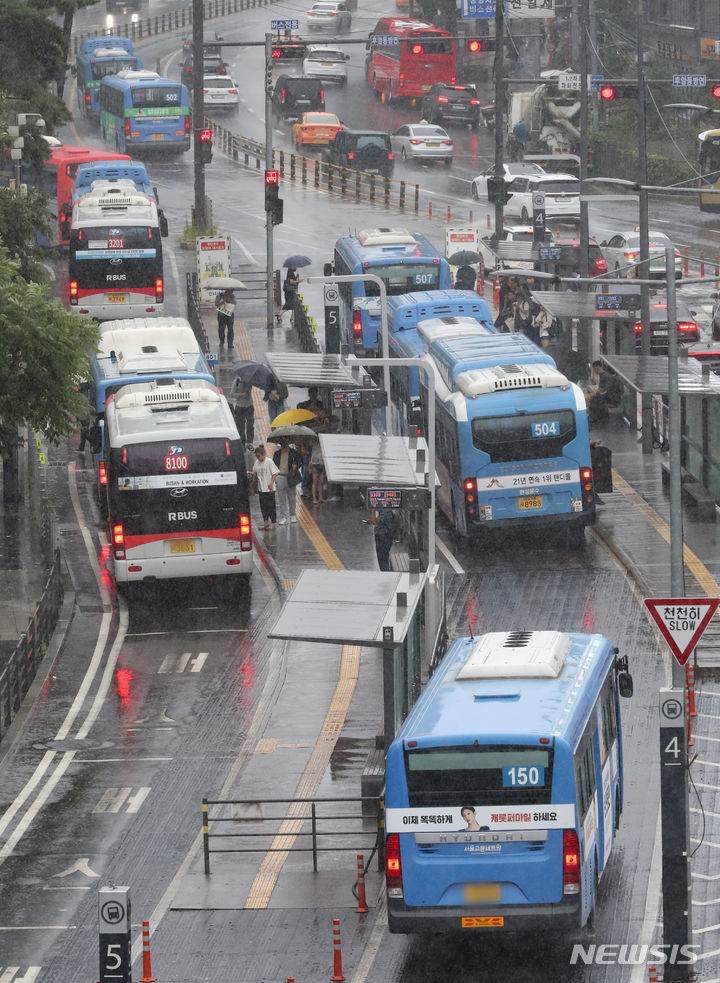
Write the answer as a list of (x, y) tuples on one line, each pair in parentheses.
[(368, 608)]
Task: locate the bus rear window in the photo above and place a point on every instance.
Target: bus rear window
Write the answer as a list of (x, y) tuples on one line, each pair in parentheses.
[(497, 775), (524, 436), (403, 278), (102, 68), (429, 46), (156, 97)]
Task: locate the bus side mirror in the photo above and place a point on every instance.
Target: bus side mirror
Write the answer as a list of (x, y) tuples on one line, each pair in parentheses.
[(625, 684), (328, 270), (163, 223), (157, 194)]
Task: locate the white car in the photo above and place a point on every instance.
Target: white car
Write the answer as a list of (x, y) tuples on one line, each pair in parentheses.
[(220, 92), (510, 171), (329, 15), (422, 141), (622, 254), (326, 63), (562, 197)]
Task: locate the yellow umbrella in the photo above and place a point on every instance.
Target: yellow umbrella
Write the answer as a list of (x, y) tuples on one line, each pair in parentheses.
[(288, 417)]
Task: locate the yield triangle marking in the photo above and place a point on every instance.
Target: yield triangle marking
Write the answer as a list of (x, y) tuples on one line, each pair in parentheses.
[(682, 621)]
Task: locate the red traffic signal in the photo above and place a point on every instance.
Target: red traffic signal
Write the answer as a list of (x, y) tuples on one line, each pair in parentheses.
[(272, 177), (203, 146), (474, 46), (716, 92), (607, 92), (205, 136)]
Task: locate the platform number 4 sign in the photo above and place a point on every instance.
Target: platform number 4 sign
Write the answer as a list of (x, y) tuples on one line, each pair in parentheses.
[(682, 621)]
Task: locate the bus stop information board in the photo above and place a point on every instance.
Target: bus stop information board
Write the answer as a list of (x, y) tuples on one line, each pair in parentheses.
[(682, 621)]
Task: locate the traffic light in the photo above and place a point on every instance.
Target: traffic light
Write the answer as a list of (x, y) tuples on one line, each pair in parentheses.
[(716, 92), (268, 75), (607, 92), (203, 146), (273, 204), (611, 91), (477, 45), (497, 192)]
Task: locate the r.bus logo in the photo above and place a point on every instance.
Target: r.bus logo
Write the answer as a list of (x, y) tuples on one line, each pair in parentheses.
[(633, 955)]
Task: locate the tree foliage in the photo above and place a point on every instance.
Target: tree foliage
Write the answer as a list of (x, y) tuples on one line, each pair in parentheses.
[(44, 351), (66, 9), (20, 220)]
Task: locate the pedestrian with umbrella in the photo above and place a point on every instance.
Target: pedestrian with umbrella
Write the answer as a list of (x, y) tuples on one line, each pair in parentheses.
[(289, 464), (225, 306), (290, 286), (248, 374)]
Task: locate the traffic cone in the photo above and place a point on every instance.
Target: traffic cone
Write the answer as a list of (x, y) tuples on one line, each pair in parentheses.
[(337, 952), (362, 907), (147, 976)]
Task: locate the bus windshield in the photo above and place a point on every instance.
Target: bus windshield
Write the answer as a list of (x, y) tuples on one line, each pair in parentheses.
[(487, 775), (403, 279), (524, 437)]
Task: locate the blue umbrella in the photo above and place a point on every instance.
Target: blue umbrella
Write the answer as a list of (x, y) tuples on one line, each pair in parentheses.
[(296, 262)]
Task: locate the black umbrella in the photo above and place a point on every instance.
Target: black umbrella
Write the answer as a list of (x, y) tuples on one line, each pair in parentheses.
[(464, 257), (255, 374), (296, 262)]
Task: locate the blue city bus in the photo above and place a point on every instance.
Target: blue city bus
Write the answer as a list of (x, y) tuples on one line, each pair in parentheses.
[(405, 261), (504, 786), (512, 438), (109, 170), (416, 318), (98, 57), (143, 112), (135, 350)]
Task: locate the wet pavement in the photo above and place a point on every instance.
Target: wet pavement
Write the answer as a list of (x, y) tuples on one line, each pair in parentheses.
[(633, 521)]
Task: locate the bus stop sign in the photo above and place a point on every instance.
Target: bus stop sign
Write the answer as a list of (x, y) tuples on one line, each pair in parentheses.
[(682, 621)]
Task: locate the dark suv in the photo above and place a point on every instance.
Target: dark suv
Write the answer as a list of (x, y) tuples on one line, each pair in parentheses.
[(212, 65), (362, 150), (444, 103), (294, 95)]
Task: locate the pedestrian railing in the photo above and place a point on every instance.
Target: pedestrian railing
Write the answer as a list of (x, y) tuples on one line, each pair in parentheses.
[(18, 674), (175, 20), (314, 826), (313, 172)]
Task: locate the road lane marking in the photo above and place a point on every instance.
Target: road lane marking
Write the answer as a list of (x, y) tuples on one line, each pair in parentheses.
[(449, 556), (36, 806), (107, 674), (29, 786)]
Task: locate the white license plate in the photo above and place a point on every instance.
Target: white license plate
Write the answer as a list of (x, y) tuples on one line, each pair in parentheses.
[(660, 334), (116, 298), (182, 546)]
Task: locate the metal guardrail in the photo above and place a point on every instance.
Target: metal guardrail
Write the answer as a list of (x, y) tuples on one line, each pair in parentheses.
[(174, 20), (192, 303), (303, 819), (310, 171), (18, 674)]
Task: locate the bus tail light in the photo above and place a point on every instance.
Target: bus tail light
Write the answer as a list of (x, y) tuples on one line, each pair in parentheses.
[(443, 99), (245, 532), (393, 867), (73, 290), (391, 155), (118, 541), (159, 290), (357, 326), (586, 487), (187, 125), (571, 862), (351, 155), (87, 96), (102, 474), (470, 490), (127, 127)]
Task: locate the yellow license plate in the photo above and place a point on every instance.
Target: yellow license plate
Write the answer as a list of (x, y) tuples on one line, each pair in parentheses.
[(530, 502), (182, 546), (158, 136), (425, 88), (493, 921), (481, 893), (116, 298), (433, 144)]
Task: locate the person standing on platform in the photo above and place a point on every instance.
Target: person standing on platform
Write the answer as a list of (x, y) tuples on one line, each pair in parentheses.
[(225, 306), (266, 471), (383, 522), (289, 465), (243, 409)]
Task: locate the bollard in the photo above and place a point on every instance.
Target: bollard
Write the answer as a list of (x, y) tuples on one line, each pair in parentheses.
[(689, 724), (690, 682), (448, 218), (362, 907), (147, 976), (652, 974), (429, 209), (481, 282), (702, 262), (489, 226), (496, 292), (717, 268), (337, 952), (417, 198), (686, 264), (470, 219)]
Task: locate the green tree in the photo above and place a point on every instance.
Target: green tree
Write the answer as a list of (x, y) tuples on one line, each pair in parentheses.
[(20, 220), (66, 9), (44, 351)]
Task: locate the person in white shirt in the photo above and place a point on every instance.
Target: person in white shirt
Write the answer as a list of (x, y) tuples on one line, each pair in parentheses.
[(225, 305), (266, 471)]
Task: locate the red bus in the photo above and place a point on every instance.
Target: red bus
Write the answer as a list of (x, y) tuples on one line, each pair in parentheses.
[(58, 179), (405, 57)]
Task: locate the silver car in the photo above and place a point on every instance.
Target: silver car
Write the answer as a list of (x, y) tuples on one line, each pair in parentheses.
[(510, 171), (622, 254), (326, 63), (423, 141), (220, 92), (329, 15)]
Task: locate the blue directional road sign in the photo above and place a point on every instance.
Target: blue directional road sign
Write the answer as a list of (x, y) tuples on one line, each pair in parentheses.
[(595, 82), (284, 25), (690, 81)]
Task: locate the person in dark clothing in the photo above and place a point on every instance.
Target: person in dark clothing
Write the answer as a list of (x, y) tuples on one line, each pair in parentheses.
[(465, 278), (290, 291), (383, 521), (225, 306)]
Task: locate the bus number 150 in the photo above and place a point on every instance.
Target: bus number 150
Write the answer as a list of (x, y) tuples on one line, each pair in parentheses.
[(523, 775)]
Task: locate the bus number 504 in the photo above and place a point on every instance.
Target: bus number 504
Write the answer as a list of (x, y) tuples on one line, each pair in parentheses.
[(523, 775)]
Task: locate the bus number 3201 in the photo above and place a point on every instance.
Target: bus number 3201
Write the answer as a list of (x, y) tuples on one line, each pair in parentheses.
[(176, 462), (523, 775)]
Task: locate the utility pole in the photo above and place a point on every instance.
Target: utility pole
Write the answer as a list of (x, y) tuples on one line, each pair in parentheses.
[(198, 112), (499, 110), (644, 268), (587, 345), (270, 308)]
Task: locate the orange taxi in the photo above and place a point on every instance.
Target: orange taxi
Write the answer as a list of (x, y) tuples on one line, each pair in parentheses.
[(317, 129)]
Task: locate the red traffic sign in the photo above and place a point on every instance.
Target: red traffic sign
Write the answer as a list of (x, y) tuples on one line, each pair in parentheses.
[(682, 621)]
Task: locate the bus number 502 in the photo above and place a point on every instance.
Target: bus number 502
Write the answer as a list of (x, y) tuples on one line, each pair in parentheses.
[(523, 775)]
